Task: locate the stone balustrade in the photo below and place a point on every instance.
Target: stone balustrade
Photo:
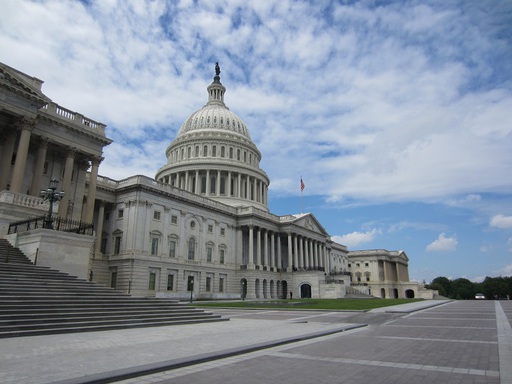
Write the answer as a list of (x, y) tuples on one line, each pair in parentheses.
[(62, 113), (22, 200)]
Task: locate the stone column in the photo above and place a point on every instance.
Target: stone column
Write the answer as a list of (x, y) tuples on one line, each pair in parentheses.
[(35, 188), (258, 247), (251, 246), (279, 254), (314, 256), (187, 187), (306, 248), (300, 250), (217, 184), (6, 157), (296, 253), (239, 186), (228, 191), (239, 245), (66, 182), (99, 229), (91, 194), (290, 245), (265, 250), (272, 250), (26, 125), (196, 183), (207, 183)]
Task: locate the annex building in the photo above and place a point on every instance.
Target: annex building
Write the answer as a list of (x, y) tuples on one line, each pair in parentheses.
[(201, 227)]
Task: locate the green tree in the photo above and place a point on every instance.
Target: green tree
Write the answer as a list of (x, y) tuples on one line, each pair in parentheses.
[(443, 285), (463, 288)]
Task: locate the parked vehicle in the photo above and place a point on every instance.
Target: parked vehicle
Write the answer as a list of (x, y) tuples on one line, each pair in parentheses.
[(480, 296)]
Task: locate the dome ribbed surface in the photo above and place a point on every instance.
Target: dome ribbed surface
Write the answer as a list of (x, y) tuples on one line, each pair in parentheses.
[(214, 117)]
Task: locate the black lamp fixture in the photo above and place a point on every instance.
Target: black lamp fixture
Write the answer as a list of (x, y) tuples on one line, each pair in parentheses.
[(51, 195)]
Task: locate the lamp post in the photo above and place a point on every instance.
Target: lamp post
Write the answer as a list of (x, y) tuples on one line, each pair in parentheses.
[(51, 196)]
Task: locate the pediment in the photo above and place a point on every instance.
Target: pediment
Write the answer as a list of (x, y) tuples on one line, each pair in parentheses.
[(23, 85), (309, 222)]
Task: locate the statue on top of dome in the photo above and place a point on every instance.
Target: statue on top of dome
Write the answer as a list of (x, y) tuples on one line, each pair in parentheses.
[(217, 69)]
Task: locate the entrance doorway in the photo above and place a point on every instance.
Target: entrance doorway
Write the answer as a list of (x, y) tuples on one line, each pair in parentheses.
[(409, 294), (305, 291)]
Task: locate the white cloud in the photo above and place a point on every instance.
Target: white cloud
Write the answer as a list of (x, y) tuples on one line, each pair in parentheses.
[(443, 243), (501, 221), (357, 238), (505, 271)]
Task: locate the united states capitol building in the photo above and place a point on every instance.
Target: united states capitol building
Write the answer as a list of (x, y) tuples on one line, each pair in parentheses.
[(200, 228)]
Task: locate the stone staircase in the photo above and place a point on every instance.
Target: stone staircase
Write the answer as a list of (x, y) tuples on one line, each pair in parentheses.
[(36, 300)]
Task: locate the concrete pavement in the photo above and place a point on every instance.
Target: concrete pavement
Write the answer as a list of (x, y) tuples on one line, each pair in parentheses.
[(265, 343)]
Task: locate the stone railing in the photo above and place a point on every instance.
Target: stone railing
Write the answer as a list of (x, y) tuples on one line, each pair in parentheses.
[(22, 200), (62, 113)]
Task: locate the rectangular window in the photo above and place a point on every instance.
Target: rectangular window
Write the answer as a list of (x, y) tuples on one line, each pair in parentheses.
[(156, 215), (172, 248), (221, 284), (117, 245), (366, 264), (170, 282), (45, 168), (107, 216), (210, 228), (223, 231), (120, 213), (154, 246), (174, 219), (152, 281), (209, 254), (221, 256), (208, 283)]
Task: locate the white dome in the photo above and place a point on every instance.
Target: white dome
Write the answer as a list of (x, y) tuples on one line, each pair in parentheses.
[(214, 116)]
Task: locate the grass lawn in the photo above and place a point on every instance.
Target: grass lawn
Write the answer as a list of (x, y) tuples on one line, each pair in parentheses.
[(327, 304)]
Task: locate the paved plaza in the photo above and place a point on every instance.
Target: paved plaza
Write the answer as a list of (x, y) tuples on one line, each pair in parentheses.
[(455, 342)]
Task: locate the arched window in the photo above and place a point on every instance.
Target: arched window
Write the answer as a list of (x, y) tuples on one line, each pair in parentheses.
[(238, 154), (222, 185), (214, 151), (245, 157), (203, 184), (205, 151), (191, 248), (222, 152), (213, 180), (197, 150), (189, 152), (230, 153)]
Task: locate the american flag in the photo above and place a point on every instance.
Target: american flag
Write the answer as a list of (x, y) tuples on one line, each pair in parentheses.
[(302, 185)]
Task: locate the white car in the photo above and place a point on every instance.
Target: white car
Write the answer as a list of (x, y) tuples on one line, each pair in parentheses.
[(480, 296)]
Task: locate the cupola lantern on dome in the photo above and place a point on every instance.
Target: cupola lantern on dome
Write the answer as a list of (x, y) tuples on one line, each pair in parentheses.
[(216, 89), (213, 155)]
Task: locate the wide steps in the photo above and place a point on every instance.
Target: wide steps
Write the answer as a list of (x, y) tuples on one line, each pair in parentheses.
[(36, 300)]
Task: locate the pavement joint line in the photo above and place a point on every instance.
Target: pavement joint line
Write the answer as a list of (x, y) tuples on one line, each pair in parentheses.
[(442, 340), (193, 361), (435, 326), (419, 367), (504, 344)]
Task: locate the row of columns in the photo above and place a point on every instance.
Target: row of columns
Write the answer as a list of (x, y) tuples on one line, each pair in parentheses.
[(254, 188), (304, 253), (25, 126)]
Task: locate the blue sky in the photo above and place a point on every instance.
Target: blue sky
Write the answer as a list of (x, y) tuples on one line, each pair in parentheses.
[(397, 114)]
